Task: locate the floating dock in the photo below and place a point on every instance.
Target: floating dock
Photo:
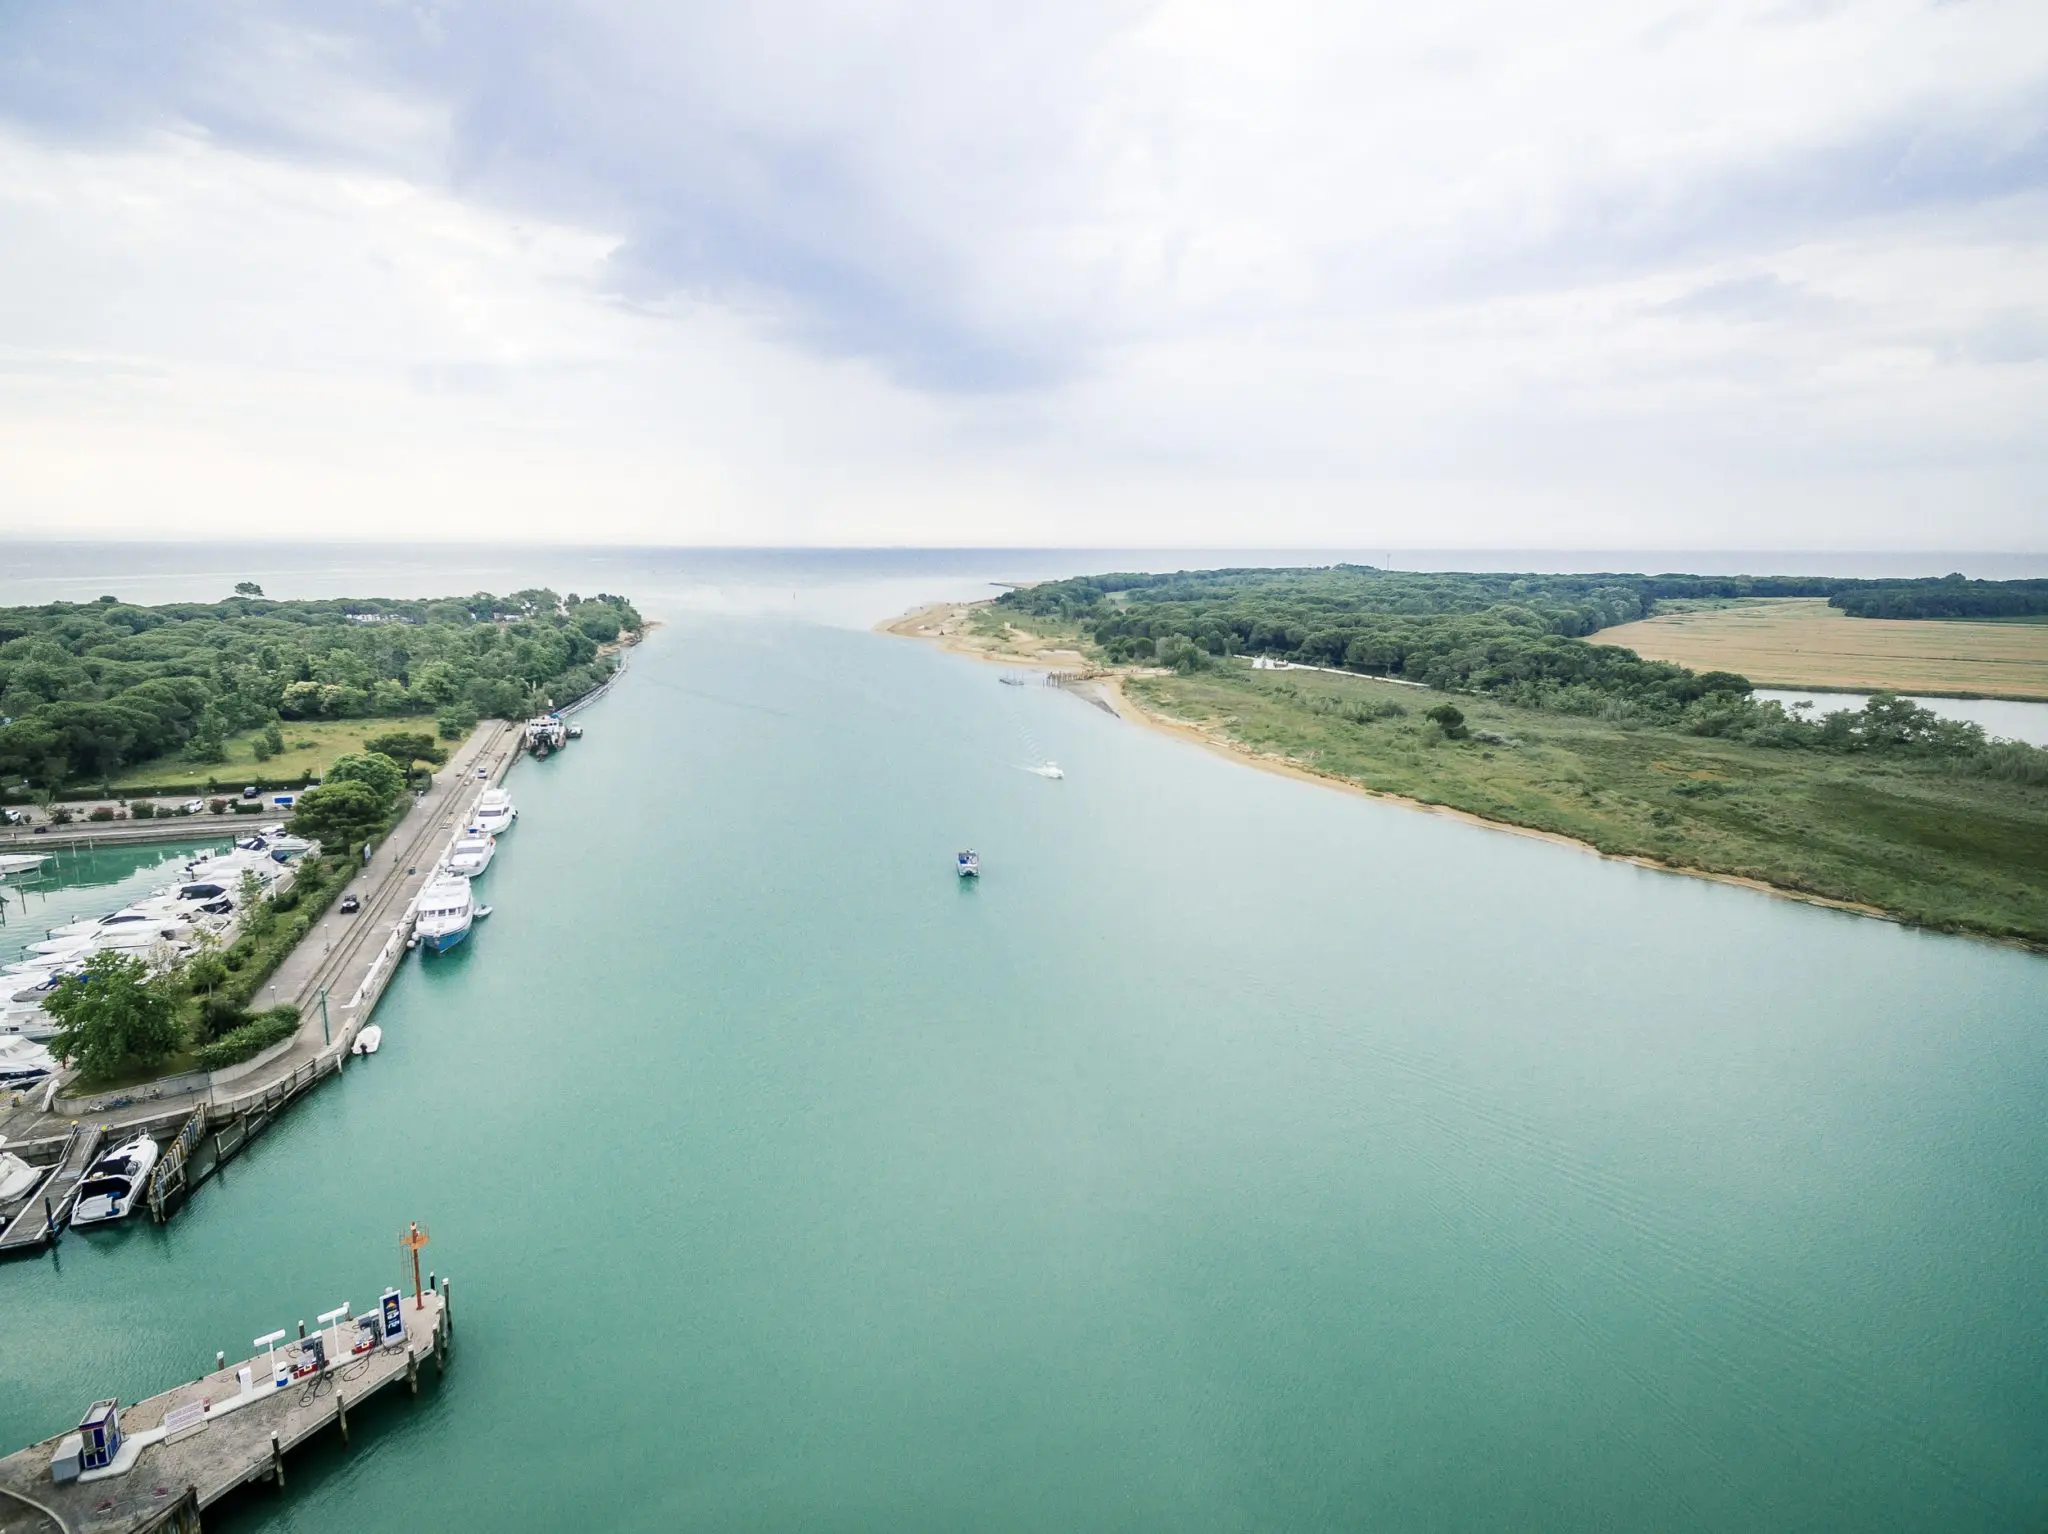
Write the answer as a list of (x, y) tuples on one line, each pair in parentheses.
[(222, 1431), (43, 1216)]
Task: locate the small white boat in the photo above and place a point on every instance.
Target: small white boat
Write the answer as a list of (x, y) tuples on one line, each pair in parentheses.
[(367, 1041), (114, 1185), (16, 1176), (967, 865), (472, 853), (1049, 770), (482, 911), (24, 1063), (495, 812), (446, 910)]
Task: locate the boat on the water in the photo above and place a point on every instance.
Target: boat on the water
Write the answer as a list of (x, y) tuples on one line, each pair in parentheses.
[(367, 1041), (1010, 679), (447, 908), (1049, 770), (967, 864), (115, 1183), (495, 812), (472, 853)]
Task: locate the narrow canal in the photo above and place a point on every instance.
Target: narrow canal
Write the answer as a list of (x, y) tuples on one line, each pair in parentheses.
[(1239, 1154)]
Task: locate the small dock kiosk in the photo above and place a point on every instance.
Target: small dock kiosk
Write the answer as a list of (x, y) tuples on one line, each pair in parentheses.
[(153, 1467)]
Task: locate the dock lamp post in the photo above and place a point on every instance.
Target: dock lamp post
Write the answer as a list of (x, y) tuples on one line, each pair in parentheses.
[(334, 1318), (270, 1342)]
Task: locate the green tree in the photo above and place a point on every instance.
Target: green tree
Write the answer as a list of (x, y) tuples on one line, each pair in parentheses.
[(338, 815), (248, 589), (455, 722), (111, 1014), (406, 747), (273, 737), (209, 739), (1449, 718), (372, 768)]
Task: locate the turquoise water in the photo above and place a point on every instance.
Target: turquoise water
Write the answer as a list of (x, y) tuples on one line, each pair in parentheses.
[(1238, 1155)]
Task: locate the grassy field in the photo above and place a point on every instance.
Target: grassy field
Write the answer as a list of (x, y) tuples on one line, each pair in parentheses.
[(309, 746), (1806, 643), (1949, 852)]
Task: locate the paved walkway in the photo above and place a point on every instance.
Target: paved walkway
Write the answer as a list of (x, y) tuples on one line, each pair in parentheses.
[(339, 952)]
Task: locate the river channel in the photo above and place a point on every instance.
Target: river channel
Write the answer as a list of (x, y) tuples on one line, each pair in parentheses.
[(1237, 1154)]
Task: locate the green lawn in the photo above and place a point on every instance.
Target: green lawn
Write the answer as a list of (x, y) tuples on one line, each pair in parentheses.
[(309, 746), (1908, 836)]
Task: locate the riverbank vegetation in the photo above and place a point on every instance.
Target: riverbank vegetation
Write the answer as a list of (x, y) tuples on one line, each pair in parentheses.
[(92, 692), (1888, 807)]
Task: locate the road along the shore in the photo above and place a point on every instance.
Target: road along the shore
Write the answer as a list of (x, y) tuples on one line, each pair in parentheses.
[(349, 958)]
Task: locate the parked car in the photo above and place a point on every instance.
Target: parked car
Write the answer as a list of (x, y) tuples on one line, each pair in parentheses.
[(15, 817), (350, 905), (249, 793), (194, 807)]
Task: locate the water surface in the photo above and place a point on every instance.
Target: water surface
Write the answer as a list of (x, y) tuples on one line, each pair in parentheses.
[(1237, 1155)]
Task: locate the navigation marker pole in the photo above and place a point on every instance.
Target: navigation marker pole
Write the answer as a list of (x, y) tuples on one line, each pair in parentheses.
[(412, 1241)]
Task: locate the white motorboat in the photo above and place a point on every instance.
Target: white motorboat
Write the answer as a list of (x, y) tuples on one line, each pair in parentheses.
[(367, 1041), (495, 812), (116, 922), (115, 1184), (17, 1177), (1049, 770), (446, 911), (472, 853), (967, 865), (24, 1063)]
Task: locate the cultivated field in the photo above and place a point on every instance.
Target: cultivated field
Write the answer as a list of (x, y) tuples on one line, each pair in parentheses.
[(1806, 643)]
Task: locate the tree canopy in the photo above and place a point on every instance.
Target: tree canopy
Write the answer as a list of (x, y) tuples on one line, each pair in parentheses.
[(113, 1013), (340, 814), (87, 689)]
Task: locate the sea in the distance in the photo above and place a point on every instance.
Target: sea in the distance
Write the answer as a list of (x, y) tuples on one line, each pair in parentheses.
[(1238, 1155)]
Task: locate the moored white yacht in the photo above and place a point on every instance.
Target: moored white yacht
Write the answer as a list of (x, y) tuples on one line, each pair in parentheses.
[(472, 853), (445, 912), (115, 1183), (495, 812), (24, 1063)]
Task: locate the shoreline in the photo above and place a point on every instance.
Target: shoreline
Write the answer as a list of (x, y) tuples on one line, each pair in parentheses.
[(938, 623)]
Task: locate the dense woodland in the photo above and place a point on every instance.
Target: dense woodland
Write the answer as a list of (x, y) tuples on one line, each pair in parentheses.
[(1949, 597), (1518, 639), (87, 689)]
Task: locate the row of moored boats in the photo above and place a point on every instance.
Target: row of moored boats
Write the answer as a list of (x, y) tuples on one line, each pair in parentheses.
[(163, 929), (448, 906)]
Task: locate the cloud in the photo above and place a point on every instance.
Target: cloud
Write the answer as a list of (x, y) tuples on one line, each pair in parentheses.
[(894, 270)]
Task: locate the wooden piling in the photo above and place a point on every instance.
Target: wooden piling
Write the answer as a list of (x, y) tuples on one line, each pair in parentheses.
[(341, 1412), (412, 1371), (276, 1462)]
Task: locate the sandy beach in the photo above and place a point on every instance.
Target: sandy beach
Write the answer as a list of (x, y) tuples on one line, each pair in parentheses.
[(947, 624)]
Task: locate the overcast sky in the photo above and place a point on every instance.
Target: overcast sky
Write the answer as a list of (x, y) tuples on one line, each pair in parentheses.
[(1576, 275)]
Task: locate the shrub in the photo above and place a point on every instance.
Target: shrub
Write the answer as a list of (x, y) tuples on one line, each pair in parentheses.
[(142, 809), (249, 807), (217, 806), (456, 722), (220, 1016), (251, 1038), (101, 812), (61, 815)]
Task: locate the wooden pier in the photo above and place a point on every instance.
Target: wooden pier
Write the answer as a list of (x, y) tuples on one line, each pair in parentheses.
[(42, 1218), (211, 1451)]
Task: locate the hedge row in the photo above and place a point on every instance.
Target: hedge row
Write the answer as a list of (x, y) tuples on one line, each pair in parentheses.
[(253, 1037)]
